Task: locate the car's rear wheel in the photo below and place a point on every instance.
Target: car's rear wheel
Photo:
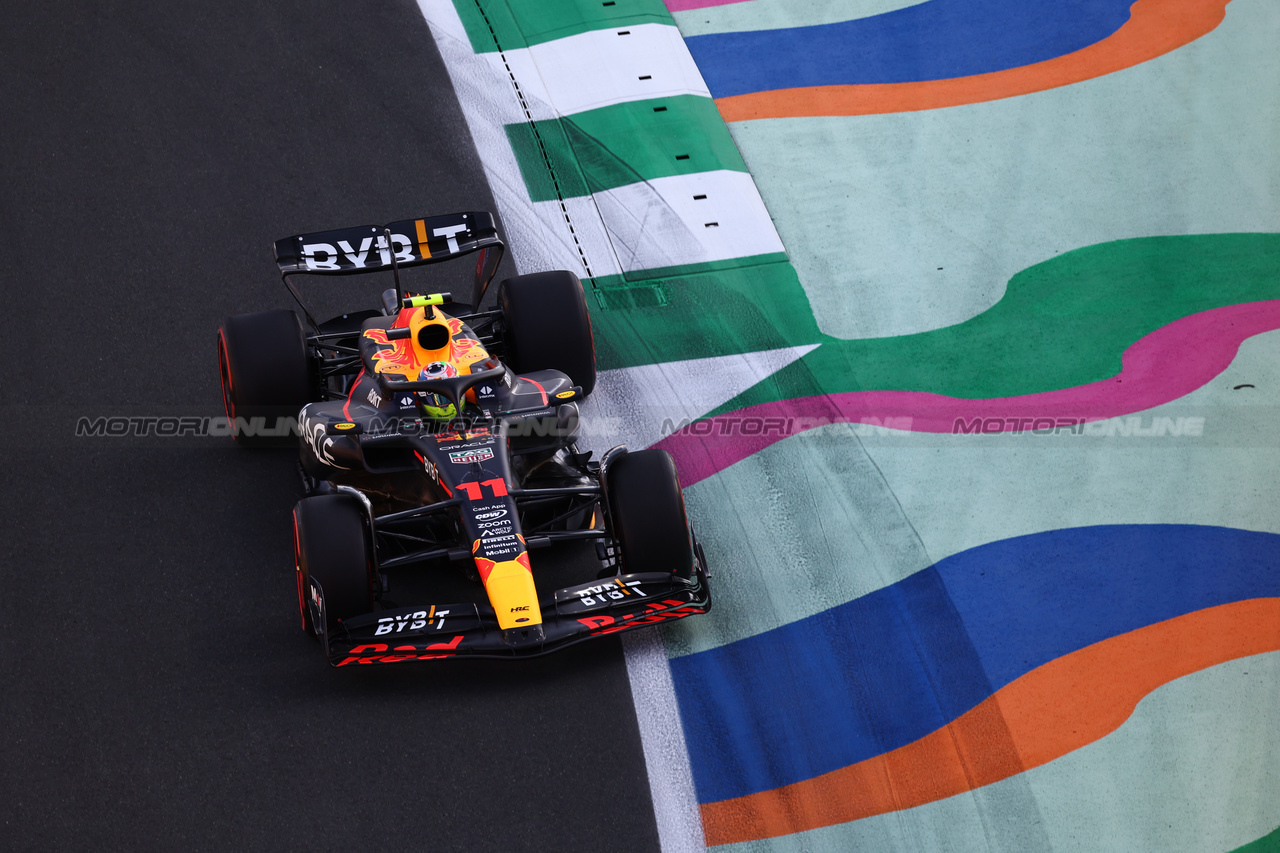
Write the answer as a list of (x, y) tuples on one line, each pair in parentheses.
[(548, 327), (331, 544), (647, 510), (266, 375)]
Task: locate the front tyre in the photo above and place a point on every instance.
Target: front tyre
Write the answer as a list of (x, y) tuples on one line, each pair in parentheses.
[(548, 327), (647, 509), (266, 375), (331, 543)]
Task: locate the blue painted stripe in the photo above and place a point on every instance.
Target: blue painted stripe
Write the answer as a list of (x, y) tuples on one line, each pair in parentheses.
[(884, 670), (937, 40)]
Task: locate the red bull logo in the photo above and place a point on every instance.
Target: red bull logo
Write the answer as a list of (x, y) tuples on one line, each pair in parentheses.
[(399, 357)]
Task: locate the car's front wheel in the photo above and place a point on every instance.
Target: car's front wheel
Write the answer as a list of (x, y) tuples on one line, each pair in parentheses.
[(331, 545), (647, 510)]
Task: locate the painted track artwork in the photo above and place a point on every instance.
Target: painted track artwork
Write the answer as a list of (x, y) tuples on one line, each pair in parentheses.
[(940, 54), (855, 707), (962, 320), (957, 657), (1099, 333)]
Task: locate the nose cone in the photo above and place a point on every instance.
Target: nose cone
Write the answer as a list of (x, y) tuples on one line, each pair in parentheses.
[(519, 637)]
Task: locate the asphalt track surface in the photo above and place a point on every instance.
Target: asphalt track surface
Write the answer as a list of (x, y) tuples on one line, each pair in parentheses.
[(157, 691)]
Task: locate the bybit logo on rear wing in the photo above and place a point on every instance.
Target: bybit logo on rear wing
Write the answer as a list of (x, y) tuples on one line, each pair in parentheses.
[(375, 251)]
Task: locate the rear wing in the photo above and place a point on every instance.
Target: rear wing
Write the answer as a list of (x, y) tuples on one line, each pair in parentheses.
[(397, 245)]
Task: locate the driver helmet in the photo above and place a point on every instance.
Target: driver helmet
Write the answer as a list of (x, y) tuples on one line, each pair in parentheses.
[(436, 405), (438, 370)]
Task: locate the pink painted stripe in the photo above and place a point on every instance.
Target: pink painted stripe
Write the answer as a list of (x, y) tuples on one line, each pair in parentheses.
[(686, 5), (1167, 364)]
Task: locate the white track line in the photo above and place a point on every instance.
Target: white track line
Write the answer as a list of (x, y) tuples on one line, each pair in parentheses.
[(675, 805)]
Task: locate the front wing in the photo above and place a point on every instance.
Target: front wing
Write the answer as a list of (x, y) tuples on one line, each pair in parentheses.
[(573, 614)]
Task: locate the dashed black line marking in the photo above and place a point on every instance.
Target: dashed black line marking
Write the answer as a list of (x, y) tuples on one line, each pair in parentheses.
[(542, 147)]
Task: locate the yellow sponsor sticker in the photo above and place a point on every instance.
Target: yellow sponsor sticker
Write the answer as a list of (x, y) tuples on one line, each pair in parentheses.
[(564, 395), (344, 426)]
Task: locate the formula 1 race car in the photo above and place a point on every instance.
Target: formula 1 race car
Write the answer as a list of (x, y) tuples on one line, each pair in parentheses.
[(438, 450)]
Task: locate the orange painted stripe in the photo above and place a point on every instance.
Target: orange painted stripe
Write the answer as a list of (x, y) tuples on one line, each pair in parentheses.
[(423, 248), (1051, 711), (1154, 28)]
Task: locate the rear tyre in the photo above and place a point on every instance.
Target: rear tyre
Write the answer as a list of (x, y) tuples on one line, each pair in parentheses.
[(548, 327), (331, 544), (647, 509), (265, 373)]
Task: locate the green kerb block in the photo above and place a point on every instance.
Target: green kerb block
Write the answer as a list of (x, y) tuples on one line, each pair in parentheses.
[(512, 24), (622, 144)]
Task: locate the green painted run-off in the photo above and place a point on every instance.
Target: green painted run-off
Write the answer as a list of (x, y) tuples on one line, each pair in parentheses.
[(699, 311)]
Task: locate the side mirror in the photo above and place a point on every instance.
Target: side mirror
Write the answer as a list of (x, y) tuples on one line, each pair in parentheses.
[(390, 302)]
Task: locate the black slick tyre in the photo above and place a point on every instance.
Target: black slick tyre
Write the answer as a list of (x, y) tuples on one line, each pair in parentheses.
[(331, 544), (548, 327), (647, 510), (265, 372)]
